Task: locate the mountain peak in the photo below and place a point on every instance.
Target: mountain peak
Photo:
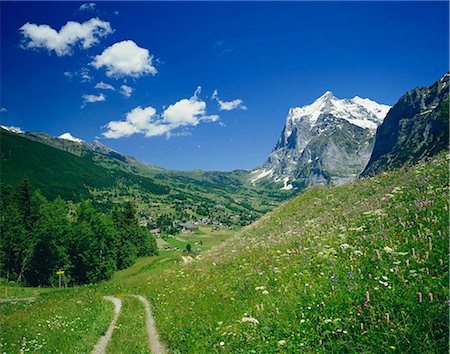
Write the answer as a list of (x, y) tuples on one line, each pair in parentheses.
[(70, 137), (362, 112), (328, 95), (16, 130)]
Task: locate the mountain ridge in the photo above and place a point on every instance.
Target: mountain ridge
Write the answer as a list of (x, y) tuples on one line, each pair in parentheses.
[(318, 133), (415, 127)]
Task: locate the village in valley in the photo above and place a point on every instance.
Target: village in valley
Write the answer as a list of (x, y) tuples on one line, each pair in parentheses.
[(191, 236)]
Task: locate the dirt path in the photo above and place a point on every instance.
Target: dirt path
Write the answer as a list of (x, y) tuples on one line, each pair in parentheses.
[(100, 347), (154, 344)]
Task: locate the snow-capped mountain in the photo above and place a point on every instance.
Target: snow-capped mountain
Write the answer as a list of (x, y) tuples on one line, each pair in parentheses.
[(16, 130), (70, 137), (326, 142)]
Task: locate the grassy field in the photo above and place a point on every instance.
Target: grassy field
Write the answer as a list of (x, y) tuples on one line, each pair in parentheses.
[(357, 268), (12, 290), (130, 335), (205, 235)]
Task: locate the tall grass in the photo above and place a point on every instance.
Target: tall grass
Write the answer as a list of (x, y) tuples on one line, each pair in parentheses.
[(361, 267), (357, 268)]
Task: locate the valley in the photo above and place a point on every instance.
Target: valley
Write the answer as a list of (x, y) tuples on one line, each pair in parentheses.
[(356, 267), (224, 177), (337, 243)]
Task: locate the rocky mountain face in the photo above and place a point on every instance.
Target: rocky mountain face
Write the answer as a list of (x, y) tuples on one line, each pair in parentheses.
[(327, 142), (416, 127)]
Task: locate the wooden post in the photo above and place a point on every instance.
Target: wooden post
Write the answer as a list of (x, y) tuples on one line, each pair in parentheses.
[(6, 291), (60, 281)]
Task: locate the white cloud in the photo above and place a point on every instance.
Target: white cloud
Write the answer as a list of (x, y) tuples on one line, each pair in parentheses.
[(190, 111), (89, 6), (69, 74), (139, 120), (3, 109), (93, 98), (83, 74), (228, 105), (125, 58), (181, 115), (86, 34), (104, 86), (126, 90), (185, 112)]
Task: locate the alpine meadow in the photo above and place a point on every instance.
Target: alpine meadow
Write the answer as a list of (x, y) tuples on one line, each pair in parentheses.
[(224, 177)]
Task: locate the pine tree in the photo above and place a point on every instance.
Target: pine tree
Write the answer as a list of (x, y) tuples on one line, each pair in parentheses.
[(49, 253)]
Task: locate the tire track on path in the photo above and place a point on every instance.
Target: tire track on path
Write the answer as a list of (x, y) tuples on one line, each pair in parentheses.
[(100, 347), (154, 344)]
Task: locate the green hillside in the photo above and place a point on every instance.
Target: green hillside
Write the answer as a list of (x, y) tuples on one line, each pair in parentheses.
[(358, 268), (53, 171), (56, 172), (224, 197)]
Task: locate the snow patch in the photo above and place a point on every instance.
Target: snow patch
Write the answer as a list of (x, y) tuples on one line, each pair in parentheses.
[(70, 137), (378, 109), (358, 111), (287, 186), (12, 129), (262, 174)]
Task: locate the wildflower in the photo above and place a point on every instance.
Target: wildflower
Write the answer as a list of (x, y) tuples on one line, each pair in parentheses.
[(222, 343), (250, 319), (392, 347), (441, 262), (367, 296), (281, 342), (265, 292), (387, 249), (419, 297), (344, 246), (430, 297)]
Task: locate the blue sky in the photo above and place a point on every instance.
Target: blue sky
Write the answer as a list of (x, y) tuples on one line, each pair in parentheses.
[(262, 58)]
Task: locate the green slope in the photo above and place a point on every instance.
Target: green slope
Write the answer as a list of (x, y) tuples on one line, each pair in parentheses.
[(56, 172), (53, 171), (79, 173), (335, 270)]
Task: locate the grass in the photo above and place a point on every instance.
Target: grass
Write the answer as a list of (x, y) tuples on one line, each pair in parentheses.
[(130, 335), (70, 319), (208, 238), (13, 290), (336, 270), (357, 268)]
